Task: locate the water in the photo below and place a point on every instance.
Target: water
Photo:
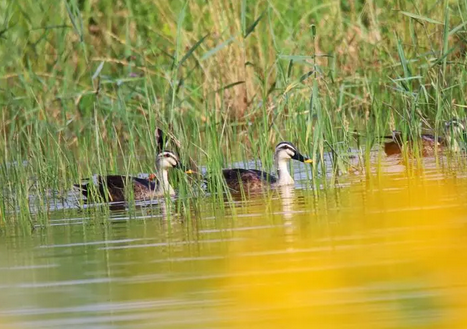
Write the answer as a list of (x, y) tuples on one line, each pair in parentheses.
[(384, 251)]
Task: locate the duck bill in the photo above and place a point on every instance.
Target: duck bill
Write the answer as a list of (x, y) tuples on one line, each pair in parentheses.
[(301, 158), (183, 168)]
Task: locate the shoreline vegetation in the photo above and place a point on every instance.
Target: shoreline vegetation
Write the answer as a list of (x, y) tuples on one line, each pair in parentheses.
[(85, 83)]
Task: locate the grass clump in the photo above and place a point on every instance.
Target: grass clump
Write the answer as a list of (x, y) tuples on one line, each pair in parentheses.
[(85, 83)]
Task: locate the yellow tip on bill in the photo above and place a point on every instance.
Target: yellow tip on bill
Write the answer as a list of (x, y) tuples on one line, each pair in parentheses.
[(308, 161), (189, 171)]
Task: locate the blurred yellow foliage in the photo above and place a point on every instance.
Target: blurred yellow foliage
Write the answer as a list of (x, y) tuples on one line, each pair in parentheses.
[(398, 261)]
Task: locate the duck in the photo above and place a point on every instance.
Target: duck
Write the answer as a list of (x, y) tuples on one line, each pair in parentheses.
[(253, 180), (454, 131), (429, 143), (113, 187)]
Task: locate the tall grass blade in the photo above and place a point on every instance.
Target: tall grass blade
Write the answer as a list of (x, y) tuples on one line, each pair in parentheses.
[(420, 18), (217, 48), (252, 27), (191, 50)]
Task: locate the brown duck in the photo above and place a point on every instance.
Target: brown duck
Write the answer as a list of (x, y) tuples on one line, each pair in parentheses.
[(113, 187), (428, 143), (256, 180), (454, 131)]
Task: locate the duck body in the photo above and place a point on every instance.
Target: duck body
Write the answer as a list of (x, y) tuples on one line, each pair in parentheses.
[(114, 187), (256, 180), (248, 179), (429, 144)]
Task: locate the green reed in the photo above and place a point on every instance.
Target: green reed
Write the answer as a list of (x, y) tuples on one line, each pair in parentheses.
[(85, 85)]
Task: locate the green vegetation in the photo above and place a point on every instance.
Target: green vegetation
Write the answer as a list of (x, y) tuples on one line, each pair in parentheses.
[(84, 83)]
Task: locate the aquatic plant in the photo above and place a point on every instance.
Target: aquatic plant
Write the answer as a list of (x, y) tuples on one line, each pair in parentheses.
[(85, 84)]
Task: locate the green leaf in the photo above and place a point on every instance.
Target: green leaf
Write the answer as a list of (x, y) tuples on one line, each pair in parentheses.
[(75, 21), (252, 27), (191, 50), (444, 57), (98, 70), (302, 58), (217, 48), (289, 69), (233, 84), (421, 18), (457, 28), (416, 77), (306, 76)]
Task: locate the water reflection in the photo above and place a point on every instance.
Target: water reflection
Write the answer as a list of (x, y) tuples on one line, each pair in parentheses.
[(382, 252)]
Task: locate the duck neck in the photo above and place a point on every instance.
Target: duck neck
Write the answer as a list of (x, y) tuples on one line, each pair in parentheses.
[(163, 185), (283, 175)]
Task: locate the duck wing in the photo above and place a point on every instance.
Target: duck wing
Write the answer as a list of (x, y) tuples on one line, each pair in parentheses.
[(429, 138), (248, 175), (145, 183), (238, 179), (112, 186)]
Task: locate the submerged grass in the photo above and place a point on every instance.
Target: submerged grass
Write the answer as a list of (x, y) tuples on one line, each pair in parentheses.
[(86, 83)]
